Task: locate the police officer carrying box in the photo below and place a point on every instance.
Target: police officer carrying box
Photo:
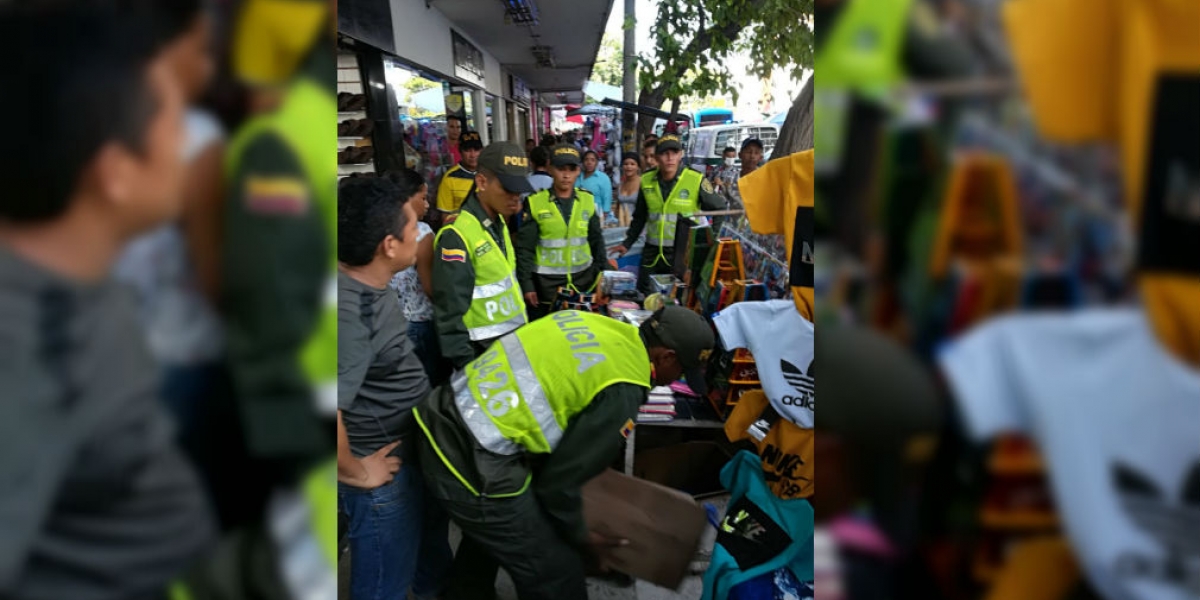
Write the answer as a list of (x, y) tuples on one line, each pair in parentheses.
[(668, 192), (510, 440), (476, 298), (560, 244)]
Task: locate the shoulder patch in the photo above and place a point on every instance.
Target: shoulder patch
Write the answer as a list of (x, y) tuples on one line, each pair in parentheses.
[(706, 185), (627, 428), (454, 255), (282, 196)]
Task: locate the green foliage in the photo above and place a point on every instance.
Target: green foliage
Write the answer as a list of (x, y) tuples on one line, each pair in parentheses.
[(694, 40), (609, 66), (418, 84)]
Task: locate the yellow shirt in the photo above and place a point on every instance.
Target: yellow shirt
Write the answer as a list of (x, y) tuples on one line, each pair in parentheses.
[(453, 189), (779, 200), (786, 451), (1122, 71)]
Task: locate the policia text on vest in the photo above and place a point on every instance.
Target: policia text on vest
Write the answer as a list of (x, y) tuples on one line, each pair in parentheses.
[(666, 194)]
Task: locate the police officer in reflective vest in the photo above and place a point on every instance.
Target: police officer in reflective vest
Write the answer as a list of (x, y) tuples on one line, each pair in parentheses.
[(476, 298), (668, 192), (510, 440), (560, 243)]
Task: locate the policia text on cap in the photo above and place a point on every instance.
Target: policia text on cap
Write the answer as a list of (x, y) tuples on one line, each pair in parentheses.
[(667, 192)]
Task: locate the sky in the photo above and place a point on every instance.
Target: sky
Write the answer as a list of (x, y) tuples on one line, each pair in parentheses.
[(783, 88)]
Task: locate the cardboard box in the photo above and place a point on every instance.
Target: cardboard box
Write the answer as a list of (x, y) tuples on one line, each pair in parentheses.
[(663, 526)]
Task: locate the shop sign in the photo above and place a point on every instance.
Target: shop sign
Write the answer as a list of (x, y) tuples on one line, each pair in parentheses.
[(468, 60), (519, 90)]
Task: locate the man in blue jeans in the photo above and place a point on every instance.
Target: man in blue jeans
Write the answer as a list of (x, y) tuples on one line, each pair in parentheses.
[(398, 540)]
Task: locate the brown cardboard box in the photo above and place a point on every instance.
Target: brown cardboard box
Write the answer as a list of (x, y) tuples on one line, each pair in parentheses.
[(663, 526)]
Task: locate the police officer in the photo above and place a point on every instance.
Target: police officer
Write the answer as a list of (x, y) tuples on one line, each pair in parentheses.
[(668, 192), (510, 440), (560, 243), (458, 180), (476, 298)]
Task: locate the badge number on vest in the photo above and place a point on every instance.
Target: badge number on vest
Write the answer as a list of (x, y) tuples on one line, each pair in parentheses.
[(492, 385), (580, 338)]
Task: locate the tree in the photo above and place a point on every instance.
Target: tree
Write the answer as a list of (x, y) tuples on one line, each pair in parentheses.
[(697, 37), (608, 69), (418, 84)]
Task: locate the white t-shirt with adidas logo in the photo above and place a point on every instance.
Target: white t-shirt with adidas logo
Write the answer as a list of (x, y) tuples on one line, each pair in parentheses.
[(782, 344), (1117, 418)]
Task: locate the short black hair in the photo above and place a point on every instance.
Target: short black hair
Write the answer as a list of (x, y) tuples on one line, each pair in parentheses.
[(529, 140), (650, 143), (540, 156), (407, 181), (89, 80), (729, 149), (592, 152), (631, 156), (369, 210), (169, 18), (456, 118)]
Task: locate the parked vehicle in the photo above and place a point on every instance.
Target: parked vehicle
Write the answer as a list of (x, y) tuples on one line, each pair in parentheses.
[(704, 144)]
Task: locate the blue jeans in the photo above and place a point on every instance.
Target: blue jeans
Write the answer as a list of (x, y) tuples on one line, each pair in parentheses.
[(398, 539), (425, 340)]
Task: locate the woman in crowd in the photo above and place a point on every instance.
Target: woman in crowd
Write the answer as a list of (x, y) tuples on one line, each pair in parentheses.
[(627, 190), (414, 285)]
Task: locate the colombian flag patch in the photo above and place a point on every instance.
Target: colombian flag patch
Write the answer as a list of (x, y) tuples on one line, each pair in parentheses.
[(627, 428), (454, 255)]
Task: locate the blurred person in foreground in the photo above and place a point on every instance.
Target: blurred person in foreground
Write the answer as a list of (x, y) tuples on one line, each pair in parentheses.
[(380, 380), (278, 294), (278, 271), (173, 268), (98, 501), (510, 441)]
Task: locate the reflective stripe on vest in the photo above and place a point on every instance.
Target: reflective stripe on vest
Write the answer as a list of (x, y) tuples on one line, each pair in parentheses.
[(513, 401), (301, 123), (562, 247), (684, 199), (497, 307)]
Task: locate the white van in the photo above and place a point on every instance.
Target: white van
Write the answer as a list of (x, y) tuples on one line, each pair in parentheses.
[(704, 144)]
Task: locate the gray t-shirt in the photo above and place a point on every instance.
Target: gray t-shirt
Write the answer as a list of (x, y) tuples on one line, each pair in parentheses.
[(380, 378), (98, 501)]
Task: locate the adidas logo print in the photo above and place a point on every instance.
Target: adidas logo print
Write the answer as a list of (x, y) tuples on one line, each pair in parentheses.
[(1173, 525), (804, 384)]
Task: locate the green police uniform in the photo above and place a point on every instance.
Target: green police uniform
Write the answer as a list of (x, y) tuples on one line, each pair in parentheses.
[(659, 205), (279, 273), (475, 294), (561, 244), (476, 298), (516, 407)]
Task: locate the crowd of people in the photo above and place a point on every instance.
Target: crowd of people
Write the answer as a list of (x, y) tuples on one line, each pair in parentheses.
[(466, 391)]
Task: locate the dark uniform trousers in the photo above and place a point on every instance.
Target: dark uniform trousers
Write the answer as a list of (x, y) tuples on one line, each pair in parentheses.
[(508, 532)]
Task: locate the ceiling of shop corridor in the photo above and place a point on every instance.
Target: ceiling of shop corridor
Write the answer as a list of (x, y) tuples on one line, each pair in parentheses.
[(572, 28)]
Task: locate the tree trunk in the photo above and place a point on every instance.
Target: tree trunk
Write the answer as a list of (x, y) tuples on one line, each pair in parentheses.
[(796, 135), (645, 124)]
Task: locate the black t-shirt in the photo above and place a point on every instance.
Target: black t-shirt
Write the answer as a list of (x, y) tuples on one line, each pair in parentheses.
[(380, 377)]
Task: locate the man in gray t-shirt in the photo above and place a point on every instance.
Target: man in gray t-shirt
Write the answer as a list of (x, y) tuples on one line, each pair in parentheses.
[(380, 380), (98, 502)]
